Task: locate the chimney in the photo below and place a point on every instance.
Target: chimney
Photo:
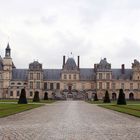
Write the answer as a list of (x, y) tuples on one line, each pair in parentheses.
[(95, 67), (123, 69), (63, 61), (78, 63)]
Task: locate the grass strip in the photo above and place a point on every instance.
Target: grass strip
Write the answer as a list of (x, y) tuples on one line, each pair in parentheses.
[(29, 101), (112, 102), (127, 109), (10, 109)]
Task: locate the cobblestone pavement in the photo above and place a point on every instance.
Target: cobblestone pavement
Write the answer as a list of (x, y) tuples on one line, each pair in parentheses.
[(70, 120)]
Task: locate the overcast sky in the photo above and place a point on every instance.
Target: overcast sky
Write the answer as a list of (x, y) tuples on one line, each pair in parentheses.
[(45, 30)]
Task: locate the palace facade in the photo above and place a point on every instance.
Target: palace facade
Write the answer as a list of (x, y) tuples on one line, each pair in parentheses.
[(69, 82)]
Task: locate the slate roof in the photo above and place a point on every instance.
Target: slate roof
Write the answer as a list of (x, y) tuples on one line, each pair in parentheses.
[(87, 74), (117, 74), (19, 74), (70, 64), (52, 74), (55, 74)]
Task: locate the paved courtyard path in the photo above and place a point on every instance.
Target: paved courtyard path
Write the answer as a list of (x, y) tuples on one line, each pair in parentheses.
[(70, 120)]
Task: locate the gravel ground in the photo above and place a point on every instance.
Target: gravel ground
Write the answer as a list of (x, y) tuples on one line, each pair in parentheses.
[(70, 120)]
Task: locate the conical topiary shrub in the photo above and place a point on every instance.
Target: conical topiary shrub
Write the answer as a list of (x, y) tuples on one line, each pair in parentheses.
[(121, 99), (95, 97), (36, 97), (22, 98), (106, 98), (46, 96)]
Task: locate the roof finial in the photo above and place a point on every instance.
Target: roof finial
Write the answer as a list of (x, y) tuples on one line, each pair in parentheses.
[(71, 55)]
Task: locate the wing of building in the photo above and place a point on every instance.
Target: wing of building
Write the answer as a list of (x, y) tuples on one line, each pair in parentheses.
[(69, 82)]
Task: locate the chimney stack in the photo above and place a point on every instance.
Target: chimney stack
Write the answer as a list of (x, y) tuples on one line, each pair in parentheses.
[(78, 63), (123, 69), (63, 61), (95, 67)]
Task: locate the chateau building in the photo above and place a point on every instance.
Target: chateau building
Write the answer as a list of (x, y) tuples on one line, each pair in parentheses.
[(69, 82)]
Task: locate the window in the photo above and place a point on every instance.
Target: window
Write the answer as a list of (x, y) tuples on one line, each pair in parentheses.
[(31, 93), (31, 85), (12, 83), (113, 85), (18, 93), (74, 76), (108, 76), (38, 85), (58, 86), (38, 76), (131, 86), (45, 86), (65, 76), (18, 83), (0, 76), (69, 76), (31, 76), (108, 85), (51, 86), (122, 85), (11, 93), (100, 85), (138, 85), (100, 76), (83, 86)]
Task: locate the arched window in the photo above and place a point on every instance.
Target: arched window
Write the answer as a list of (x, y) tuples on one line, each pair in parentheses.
[(12, 83), (46, 96), (131, 96), (18, 83), (114, 96)]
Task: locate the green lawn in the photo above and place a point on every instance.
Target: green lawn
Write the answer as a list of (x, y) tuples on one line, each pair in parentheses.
[(29, 101), (130, 109), (113, 102), (9, 109)]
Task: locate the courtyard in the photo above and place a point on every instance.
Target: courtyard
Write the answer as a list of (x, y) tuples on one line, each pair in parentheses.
[(70, 120)]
